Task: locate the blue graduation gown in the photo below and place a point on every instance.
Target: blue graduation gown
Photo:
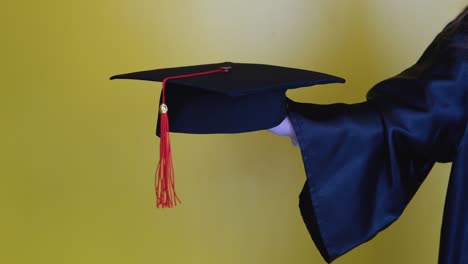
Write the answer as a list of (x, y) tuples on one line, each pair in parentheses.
[(364, 162)]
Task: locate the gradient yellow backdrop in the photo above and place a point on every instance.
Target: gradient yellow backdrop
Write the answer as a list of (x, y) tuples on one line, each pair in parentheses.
[(79, 151)]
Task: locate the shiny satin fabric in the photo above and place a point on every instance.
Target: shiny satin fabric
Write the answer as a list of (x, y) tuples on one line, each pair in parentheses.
[(364, 162)]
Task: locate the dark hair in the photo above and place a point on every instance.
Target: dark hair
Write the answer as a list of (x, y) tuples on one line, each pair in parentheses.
[(456, 32), (462, 15)]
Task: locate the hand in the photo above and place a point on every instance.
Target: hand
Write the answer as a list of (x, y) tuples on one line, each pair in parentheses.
[(285, 128)]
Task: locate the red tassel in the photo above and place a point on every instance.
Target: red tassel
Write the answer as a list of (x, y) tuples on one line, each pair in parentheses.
[(166, 196)]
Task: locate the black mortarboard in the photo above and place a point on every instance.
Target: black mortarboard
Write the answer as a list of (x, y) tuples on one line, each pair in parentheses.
[(220, 98), (246, 97)]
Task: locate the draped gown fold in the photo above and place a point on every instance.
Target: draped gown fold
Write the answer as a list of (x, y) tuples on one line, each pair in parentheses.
[(364, 162)]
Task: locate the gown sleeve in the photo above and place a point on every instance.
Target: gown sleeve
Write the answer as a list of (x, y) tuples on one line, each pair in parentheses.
[(364, 162)]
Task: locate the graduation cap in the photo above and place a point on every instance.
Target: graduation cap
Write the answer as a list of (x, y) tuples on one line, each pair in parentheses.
[(219, 98)]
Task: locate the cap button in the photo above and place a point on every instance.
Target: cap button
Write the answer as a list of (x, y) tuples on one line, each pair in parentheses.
[(163, 108)]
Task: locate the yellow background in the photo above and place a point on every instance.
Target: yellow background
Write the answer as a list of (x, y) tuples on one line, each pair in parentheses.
[(79, 151)]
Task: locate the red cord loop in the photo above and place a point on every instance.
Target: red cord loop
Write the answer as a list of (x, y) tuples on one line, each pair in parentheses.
[(166, 196)]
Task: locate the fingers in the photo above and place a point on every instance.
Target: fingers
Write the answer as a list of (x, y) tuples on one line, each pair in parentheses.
[(283, 129)]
